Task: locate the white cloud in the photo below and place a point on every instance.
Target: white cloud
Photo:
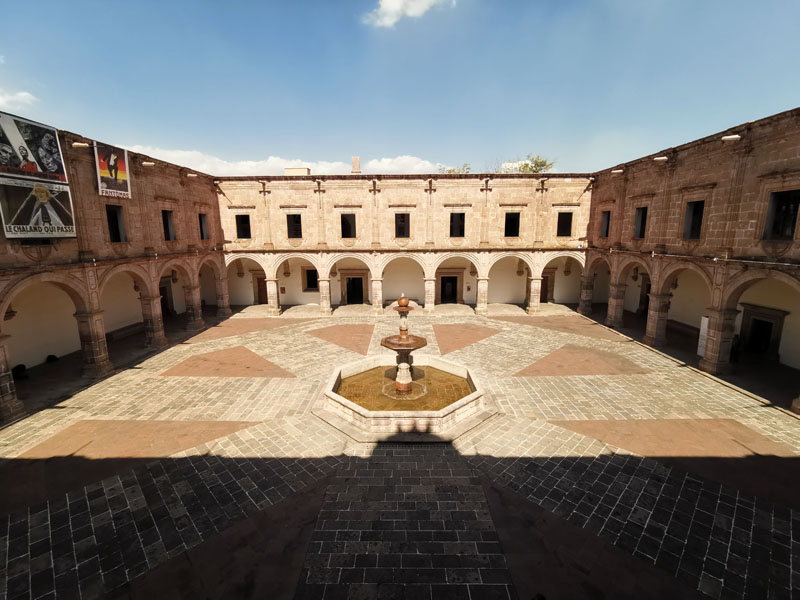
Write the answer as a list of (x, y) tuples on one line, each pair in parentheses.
[(10, 100), (274, 165), (2, 59), (390, 12)]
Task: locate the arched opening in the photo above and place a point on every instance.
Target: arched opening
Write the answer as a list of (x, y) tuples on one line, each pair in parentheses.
[(208, 288), (600, 272), (172, 286), (457, 282), (764, 353), (42, 331), (508, 284), (247, 283), (298, 283), (121, 302), (636, 299), (561, 281), (690, 296), (404, 276), (351, 282)]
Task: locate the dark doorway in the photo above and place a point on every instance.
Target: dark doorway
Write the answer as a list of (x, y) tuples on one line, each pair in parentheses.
[(545, 285), (449, 290), (355, 290), (261, 286), (166, 302), (760, 336)]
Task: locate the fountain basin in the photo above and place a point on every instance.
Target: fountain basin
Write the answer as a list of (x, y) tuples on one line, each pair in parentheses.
[(378, 417)]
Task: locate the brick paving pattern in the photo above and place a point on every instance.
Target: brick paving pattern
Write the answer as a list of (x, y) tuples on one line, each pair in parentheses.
[(710, 536)]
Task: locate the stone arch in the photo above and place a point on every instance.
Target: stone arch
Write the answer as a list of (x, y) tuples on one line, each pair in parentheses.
[(73, 286), (403, 274), (527, 258), (472, 258), (384, 261), (232, 257), (594, 261), (137, 273), (626, 265), (543, 259), (739, 284), (213, 263), (338, 286), (674, 269), (180, 265), (279, 259)]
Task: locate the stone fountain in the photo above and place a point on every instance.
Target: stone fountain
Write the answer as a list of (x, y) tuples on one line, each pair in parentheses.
[(404, 345), (383, 396)]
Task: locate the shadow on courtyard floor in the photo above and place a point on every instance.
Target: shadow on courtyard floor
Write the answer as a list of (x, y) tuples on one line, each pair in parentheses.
[(776, 383), (404, 521)]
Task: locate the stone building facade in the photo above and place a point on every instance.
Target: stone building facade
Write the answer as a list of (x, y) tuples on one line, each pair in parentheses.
[(469, 239), (69, 294), (701, 239), (706, 234)]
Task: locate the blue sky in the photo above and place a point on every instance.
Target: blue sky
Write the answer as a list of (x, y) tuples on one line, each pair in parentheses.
[(224, 86)]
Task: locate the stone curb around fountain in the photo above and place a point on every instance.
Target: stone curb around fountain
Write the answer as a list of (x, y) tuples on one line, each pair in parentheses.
[(443, 425)]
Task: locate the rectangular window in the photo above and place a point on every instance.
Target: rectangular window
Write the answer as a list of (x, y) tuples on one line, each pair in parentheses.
[(203, 226), (348, 225), (294, 226), (782, 215), (640, 225), (310, 283), (693, 222), (243, 227), (457, 221), (402, 223), (605, 223), (564, 226), (512, 224), (116, 226), (169, 229)]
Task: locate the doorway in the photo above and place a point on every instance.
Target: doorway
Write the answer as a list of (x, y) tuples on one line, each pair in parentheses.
[(354, 290), (760, 336), (261, 288), (449, 290), (543, 293)]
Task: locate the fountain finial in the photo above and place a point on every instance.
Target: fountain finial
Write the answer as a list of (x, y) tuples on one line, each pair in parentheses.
[(402, 301)]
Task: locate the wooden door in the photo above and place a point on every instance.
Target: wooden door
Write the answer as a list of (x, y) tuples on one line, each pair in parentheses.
[(261, 286), (543, 291)]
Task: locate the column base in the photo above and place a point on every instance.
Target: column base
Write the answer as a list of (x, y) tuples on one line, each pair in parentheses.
[(482, 310), (652, 341), (715, 367), (795, 407), (224, 311), (273, 311), (428, 310), (378, 310), (158, 342), (325, 311), (532, 310), (585, 309), (613, 324), (10, 405), (97, 370), (195, 325)]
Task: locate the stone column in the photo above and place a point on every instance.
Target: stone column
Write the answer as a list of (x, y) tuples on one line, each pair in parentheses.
[(324, 297), (721, 323), (482, 304), (587, 290), (430, 295), (534, 294), (616, 305), (274, 305), (194, 307), (153, 322), (657, 311), (10, 406), (92, 331), (377, 296), (223, 299)]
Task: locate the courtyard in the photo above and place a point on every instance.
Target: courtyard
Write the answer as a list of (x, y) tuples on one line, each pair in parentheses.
[(608, 470)]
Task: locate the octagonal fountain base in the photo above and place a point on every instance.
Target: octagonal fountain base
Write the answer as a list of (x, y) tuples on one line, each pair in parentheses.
[(459, 407)]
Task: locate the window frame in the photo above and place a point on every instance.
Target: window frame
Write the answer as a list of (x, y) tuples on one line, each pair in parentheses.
[(518, 216), (168, 225), (571, 223), (769, 224), (343, 218), (294, 227), (304, 282), (605, 224), (463, 216), (640, 210), (689, 219), (119, 215), (203, 225), (407, 226), (240, 223)]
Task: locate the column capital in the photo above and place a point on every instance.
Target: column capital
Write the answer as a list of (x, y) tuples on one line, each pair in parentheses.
[(532, 278), (379, 279)]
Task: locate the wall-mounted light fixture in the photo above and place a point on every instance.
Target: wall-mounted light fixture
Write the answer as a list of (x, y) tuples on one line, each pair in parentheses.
[(174, 276), (148, 163), (661, 158), (191, 174), (617, 171), (731, 138), (635, 274), (80, 144)]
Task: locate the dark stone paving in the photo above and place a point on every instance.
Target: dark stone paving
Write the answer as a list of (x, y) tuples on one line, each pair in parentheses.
[(406, 522)]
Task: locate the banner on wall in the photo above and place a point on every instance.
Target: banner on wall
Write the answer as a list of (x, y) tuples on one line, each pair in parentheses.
[(36, 209), (30, 150), (112, 171)]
